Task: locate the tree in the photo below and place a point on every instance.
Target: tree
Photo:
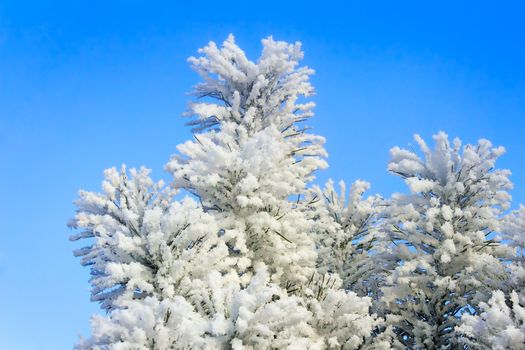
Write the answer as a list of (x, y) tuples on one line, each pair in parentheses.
[(241, 251), (251, 155), (234, 264), (346, 231), (447, 255), (501, 324)]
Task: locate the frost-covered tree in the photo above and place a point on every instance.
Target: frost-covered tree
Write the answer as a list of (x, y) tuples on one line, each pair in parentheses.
[(346, 231), (501, 323), (444, 239), (515, 234), (235, 264), (251, 155), (514, 237)]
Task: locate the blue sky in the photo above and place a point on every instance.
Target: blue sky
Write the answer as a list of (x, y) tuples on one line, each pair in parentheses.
[(85, 85)]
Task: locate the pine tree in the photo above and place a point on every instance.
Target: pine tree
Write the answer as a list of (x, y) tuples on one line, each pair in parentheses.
[(234, 264), (501, 324), (250, 155), (346, 231), (447, 254)]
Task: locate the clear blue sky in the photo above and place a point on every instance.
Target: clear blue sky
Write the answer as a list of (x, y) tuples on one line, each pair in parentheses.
[(85, 85)]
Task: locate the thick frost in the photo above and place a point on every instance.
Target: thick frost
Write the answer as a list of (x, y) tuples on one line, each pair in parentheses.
[(444, 253), (235, 265), (499, 326), (255, 257)]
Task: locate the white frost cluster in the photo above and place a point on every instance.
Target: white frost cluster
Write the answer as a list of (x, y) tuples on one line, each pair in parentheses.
[(500, 326)]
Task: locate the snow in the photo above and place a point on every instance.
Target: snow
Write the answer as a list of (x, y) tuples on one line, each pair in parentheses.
[(242, 251)]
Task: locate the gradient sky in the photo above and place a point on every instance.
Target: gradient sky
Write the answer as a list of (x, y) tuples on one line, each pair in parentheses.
[(85, 85)]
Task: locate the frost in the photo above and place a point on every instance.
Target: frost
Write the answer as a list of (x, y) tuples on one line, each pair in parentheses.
[(443, 261), (500, 325), (234, 264), (242, 251)]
